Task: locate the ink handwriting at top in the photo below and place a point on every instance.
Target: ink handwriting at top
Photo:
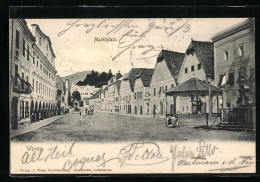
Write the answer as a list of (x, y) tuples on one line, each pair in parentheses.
[(130, 35)]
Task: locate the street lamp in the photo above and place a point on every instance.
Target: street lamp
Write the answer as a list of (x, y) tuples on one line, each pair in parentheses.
[(208, 79)]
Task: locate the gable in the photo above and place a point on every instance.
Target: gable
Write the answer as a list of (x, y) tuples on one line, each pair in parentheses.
[(161, 73), (189, 61), (138, 83)]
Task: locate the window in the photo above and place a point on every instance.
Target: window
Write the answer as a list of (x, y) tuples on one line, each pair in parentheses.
[(28, 53), (17, 39), (187, 108), (40, 41), (154, 92), (26, 109), (182, 108), (226, 55), (172, 85), (33, 84), (47, 48), (40, 67), (37, 64), (27, 78), (40, 88), (199, 66), (241, 50), (23, 47), (192, 68), (36, 86), (231, 79), (186, 70), (16, 75), (22, 109), (23, 79), (135, 95), (252, 76), (33, 60), (165, 87), (141, 95)]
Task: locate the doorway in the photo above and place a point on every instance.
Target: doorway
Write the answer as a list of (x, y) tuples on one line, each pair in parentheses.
[(14, 117)]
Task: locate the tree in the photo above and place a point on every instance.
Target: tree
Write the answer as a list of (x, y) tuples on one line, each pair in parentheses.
[(110, 75), (95, 77), (76, 95)]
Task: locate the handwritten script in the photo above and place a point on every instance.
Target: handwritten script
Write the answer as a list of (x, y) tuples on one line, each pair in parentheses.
[(130, 34), (136, 154)]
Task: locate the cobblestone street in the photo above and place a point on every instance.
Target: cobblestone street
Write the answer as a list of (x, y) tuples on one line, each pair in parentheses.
[(111, 127)]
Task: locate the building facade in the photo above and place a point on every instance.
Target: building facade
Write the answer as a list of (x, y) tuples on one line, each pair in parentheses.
[(197, 63), (234, 50), (127, 91), (164, 77), (60, 95), (86, 92), (113, 93), (142, 93), (32, 74)]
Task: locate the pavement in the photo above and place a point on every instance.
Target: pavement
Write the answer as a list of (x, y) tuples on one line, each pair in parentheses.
[(133, 115), (111, 127), (34, 126)]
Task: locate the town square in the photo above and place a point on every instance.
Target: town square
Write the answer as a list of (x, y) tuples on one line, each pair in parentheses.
[(152, 80)]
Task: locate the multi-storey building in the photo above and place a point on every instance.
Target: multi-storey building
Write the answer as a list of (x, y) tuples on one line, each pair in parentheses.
[(60, 95), (198, 62), (32, 73), (127, 90), (95, 100), (85, 91), (113, 93), (43, 77), (20, 60), (142, 92), (234, 51), (164, 77), (103, 98)]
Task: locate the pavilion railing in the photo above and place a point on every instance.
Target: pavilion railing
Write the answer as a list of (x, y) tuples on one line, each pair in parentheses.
[(239, 115)]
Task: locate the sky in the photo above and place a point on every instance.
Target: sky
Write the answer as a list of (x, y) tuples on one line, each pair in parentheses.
[(122, 44)]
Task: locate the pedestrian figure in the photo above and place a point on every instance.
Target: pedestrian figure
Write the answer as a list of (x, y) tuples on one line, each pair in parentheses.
[(199, 105)]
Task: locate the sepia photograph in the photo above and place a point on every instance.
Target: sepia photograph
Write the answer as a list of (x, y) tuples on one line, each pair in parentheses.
[(129, 96)]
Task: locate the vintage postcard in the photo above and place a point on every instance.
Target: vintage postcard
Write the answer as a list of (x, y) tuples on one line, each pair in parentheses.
[(132, 96)]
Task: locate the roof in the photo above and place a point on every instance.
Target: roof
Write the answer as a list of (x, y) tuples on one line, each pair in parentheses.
[(131, 76), (37, 26), (59, 82), (26, 29), (100, 84), (205, 54), (118, 84), (173, 61), (96, 94), (117, 76), (192, 85), (233, 29), (146, 76)]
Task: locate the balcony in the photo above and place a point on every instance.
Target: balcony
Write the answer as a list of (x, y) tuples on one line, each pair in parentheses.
[(21, 86)]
